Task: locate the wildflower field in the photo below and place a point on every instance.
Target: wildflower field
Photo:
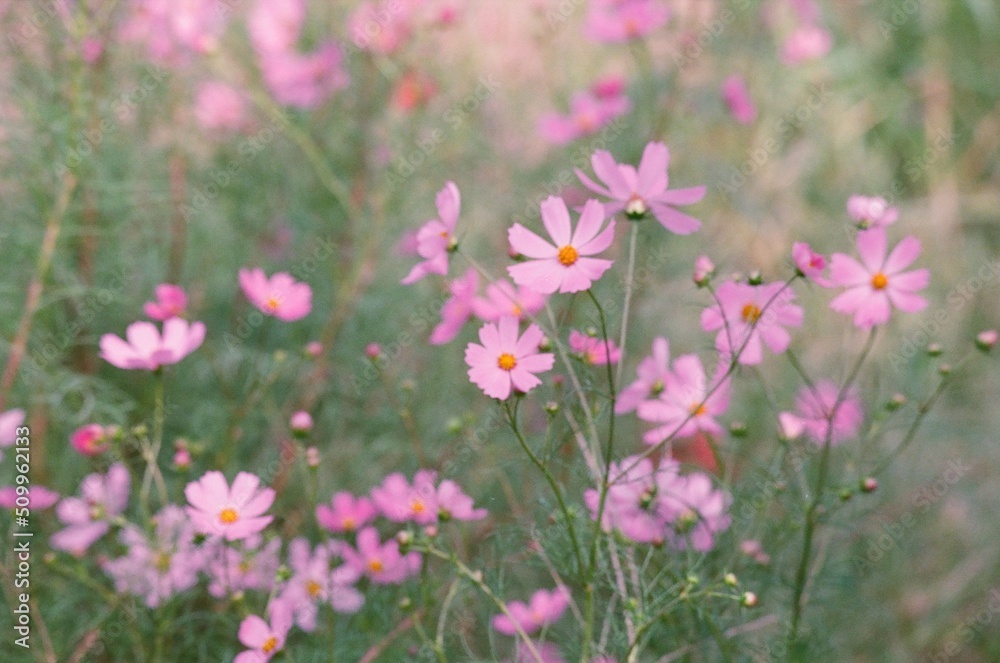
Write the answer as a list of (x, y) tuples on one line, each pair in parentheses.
[(548, 331)]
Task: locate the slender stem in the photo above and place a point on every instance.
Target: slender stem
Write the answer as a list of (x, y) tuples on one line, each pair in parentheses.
[(629, 283)]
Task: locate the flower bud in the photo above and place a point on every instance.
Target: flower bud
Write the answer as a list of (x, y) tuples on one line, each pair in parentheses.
[(314, 349), (934, 350), (897, 401), (552, 407), (738, 429), (312, 457), (944, 369), (987, 339), (182, 459), (755, 277), (301, 423), (869, 485), (373, 351), (731, 579), (749, 599), (704, 269)]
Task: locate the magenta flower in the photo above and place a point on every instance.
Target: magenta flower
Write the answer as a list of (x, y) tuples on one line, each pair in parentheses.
[(453, 504), (92, 439), (400, 502), (503, 299), (747, 315), (436, 238), (593, 350), (810, 264), (878, 283), (346, 513), (457, 310), (738, 100), (545, 608), (815, 409), (265, 639), (147, 349), (171, 300), (10, 421), (589, 113), (614, 21), (232, 513), (566, 265), (684, 407), (871, 212), (280, 295), (87, 518), (38, 497), (382, 563), (505, 362), (218, 107), (651, 378), (640, 191)]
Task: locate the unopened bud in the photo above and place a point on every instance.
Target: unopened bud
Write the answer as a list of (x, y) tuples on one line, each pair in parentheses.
[(987, 339), (934, 350), (749, 599), (704, 269), (869, 485)]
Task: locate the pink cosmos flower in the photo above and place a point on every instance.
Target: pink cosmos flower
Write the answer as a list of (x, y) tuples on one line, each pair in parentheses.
[(218, 107), (878, 283), (588, 114), (545, 608), (244, 565), (738, 100), (807, 42), (505, 362), (10, 421), (313, 583), (503, 299), (593, 350), (640, 191), (346, 513), (171, 300), (304, 80), (92, 439), (87, 518), (232, 513), (630, 506), (814, 409), (172, 28), (790, 425), (704, 269), (695, 509), (436, 238), (812, 265), (612, 21), (280, 295), (746, 315), (265, 639), (871, 212), (453, 504), (275, 25), (381, 27), (147, 349), (39, 497), (381, 563), (566, 265), (457, 309), (684, 407), (651, 378), (400, 502)]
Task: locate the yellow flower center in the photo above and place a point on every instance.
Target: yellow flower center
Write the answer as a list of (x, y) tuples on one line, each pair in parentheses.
[(750, 313), (272, 303), (568, 255), (698, 410), (269, 645), (517, 311), (163, 562), (417, 506), (375, 566), (313, 588), (506, 361), (348, 523), (228, 516), (880, 281), (244, 566)]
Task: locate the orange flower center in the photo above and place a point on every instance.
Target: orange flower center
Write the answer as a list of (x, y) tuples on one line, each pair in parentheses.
[(568, 255), (375, 566), (272, 303), (586, 122), (517, 311), (348, 523), (228, 516), (417, 506), (313, 588), (269, 645), (506, 361), (880, 281), (698, 410), (750, 313)]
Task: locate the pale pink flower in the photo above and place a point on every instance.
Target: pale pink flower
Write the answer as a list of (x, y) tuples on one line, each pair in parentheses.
[(275, 25), (345, 513), (436, 238), (738, 100), (545, 608), (453, 504), (280, 295), (313, 583), (504, 362), (871, 212), (381, 563), (38, 497), (503, 299), (807, 42), (812, 265), (457, 309), (304, 80), (301, 422), (10, 421), (87, 518), (790, 425), (400, 502), (815, 408), (232, 513), (265, 639), (171, 29), (695, 510), (685, 406), (218, 107), (642, 190), (92, 439), (249, 564), (588, 114), (985, 340), (593, 350), (380, 27), (147, 349), (651, 378), (171, 300), (630, 506), (750, 316), (566, 265), (878, 283), (613, 21)]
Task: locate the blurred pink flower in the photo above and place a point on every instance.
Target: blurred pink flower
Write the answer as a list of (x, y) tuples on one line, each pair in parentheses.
[(651, 378), (400, 502), (622, 20), (630, 503), (300, 422), (593, 350), (685, 406), (171, 29), (249, 564), (39, 497), (695, 510), (704, 269), (640, 191), (547, 652), (877, 283), (545, 608), (275, 25), (171, 300), (436, 238), (608, 87), (265, 639), (219, 106), (87, 518), (453, 504), (147, 349), (807, 42), (232, 513), (457, 309), (812, 265), (871, 212), (382, 563), (345, 513), (304, 80), (737, 98), (504, 362), (746, 315), (10, 421), (503, 299), (588, 114), (380, 27), (280, 295), (566, 265), (92, 439), (312, 582), (814, 408)]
